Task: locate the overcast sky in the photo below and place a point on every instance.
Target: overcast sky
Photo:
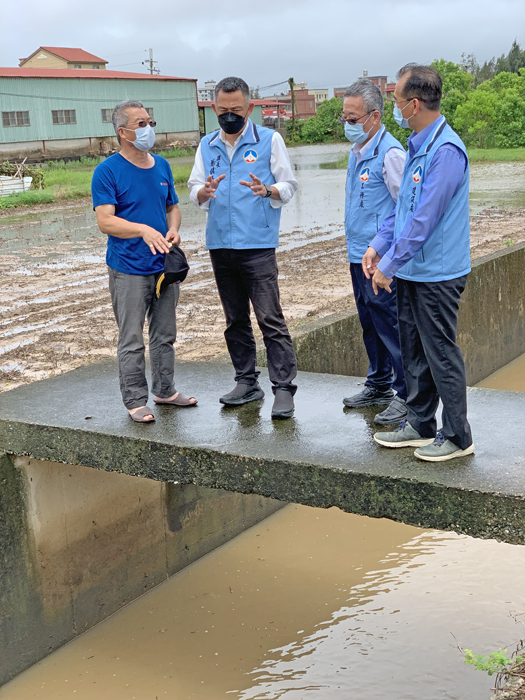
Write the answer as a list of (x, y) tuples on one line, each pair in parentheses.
[(324, 42)]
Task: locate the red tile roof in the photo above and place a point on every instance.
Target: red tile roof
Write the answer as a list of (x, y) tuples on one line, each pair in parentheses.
[(82, 73), (72, 54)]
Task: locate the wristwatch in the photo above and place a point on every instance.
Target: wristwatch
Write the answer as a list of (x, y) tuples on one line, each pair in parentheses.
[(268, 192)]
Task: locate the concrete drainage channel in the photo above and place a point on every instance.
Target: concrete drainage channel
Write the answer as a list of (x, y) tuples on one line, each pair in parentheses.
[(77, 543)]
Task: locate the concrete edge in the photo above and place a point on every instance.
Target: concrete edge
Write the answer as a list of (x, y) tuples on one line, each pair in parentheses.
[(428, 505)]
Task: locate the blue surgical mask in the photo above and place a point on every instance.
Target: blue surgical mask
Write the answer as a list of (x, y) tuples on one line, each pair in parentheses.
[(355, 133), (399, 118), (144, 138)]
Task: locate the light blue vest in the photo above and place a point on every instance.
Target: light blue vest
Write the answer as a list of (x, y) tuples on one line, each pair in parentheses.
[(446, 254), (237, 219), (368, 201)]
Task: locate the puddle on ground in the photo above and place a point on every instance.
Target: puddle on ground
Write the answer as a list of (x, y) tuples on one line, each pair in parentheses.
[(510, 378), (308, 604)]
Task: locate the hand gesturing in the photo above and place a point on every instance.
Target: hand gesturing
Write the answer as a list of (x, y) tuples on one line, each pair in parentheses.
[(258, 189)]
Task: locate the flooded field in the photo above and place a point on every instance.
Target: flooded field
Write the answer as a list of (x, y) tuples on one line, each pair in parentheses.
[(55, 310)]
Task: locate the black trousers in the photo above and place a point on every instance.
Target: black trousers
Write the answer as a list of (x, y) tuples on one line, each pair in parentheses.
[(433, 363), (245, 276), (378, 317)]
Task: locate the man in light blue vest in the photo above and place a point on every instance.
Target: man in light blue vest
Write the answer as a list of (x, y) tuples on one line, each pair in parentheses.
[(375, 169), (425, 244), (242, 177)]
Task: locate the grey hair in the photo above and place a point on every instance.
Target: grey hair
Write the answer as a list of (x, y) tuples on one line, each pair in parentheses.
[(120, 117), (233, 84), (370, 92)]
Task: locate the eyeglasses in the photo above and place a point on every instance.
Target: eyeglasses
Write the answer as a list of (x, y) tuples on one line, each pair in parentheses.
[(142, 124), (353, 121)]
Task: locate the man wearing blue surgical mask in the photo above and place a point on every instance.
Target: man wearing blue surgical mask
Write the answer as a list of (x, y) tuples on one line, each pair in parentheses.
[(241, 178), (137, 207), (425, 244), (375, 169)]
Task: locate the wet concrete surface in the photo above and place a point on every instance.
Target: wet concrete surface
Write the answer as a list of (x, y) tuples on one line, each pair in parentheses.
[(324, 456)]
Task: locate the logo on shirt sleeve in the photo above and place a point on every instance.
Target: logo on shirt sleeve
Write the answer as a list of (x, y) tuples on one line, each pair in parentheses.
[(417, 174), (250, 156), (364, 175)]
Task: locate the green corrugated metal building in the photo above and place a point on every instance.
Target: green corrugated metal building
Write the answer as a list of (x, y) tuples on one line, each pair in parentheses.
[(60, 112)]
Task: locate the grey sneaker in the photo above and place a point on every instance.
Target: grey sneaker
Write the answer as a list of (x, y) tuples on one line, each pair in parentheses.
[(442, 450), (369, 397), (404, 436), (395, 412), (243, 393)]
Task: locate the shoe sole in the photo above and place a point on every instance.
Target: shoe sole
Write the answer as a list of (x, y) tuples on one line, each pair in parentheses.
[(282, 415), (252, 396), (445, 458), (422, 442), (375, 402)]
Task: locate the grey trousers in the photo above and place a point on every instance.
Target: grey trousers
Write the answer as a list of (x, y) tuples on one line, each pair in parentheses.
[(133, 298)]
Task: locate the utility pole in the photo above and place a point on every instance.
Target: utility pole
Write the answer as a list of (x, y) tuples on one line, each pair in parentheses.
[(150, 61), (291, 83)]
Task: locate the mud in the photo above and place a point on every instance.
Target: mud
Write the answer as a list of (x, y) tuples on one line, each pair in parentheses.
[(55, 309)]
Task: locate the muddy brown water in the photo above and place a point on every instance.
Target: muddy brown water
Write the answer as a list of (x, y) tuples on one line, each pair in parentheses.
[(309, 604)]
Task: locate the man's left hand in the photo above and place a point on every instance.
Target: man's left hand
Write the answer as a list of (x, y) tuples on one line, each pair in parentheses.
[(173, 236), (257, 187), (380, 281)]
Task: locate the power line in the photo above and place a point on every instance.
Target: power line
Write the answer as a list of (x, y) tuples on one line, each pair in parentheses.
[(136, 63), (89, 99)]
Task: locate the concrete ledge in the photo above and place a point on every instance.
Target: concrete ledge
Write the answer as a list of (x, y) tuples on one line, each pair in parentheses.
[(323, 457), (491, 325)]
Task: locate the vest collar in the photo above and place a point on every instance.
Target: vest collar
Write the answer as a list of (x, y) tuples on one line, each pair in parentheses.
[(435, 133), (373, 149)]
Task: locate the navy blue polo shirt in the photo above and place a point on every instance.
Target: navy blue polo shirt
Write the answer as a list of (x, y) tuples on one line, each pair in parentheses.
[(140, 195)]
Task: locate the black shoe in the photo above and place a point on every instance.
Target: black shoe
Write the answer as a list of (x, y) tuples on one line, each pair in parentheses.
[(243, 393), (369, 397), (283, 406), (394, 414)]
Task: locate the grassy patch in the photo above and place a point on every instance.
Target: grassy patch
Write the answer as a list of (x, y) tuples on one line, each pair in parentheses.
[(181, 173), (341, 164), (176, 152), (496, 155), (26, 199)]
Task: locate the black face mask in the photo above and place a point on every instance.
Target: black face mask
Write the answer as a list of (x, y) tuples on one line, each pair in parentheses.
[(231, 123)]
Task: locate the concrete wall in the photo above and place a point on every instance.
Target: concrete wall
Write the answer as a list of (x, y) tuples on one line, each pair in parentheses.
[(76, 544), (60, 148), (491, 324)]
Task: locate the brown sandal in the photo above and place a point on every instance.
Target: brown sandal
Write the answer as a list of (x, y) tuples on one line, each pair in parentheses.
[(139, 415), (179, 400)]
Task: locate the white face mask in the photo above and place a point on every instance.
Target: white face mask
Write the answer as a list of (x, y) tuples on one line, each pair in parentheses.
[(144, 138)]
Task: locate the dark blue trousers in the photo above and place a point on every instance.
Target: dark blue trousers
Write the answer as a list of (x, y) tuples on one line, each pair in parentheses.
[(378, 316)]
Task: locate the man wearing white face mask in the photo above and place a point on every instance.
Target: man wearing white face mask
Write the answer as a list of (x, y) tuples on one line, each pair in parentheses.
[(136, 205), (375, 169)]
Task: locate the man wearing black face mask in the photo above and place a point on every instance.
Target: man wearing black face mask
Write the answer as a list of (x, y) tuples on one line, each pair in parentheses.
[(242, 177)]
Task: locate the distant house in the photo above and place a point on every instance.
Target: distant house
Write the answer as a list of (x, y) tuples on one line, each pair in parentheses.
[(58, 112), (305, 105), (319, 94), (380, 80), (60, 57)]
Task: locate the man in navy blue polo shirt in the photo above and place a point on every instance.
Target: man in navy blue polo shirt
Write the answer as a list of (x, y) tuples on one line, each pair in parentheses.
[(137, 207)]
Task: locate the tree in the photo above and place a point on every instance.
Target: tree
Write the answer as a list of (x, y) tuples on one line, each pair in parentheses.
[(476, 116), (457, 84), (324, 126)]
